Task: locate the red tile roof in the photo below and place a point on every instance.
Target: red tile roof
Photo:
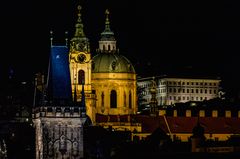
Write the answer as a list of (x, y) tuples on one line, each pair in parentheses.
[(214, 125)]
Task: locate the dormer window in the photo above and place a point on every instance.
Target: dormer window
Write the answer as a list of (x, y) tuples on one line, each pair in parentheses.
[(114, 65)]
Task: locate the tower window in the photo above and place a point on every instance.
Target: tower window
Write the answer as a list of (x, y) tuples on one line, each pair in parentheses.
[(125, 103), (130, 99), (113, 99), (102, 96), (81, 77)]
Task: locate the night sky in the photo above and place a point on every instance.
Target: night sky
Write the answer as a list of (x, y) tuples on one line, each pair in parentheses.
[(158, 37)]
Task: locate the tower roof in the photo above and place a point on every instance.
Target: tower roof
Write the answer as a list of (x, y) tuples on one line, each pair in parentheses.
[(107, 34), (79, 42)]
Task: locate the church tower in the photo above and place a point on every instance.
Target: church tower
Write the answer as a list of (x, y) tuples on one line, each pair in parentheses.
[(58, 120), (80, 66), (113, 77)]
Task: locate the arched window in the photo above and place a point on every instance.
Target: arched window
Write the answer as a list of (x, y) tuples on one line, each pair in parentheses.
[(81, 77), (130, 100), (113, 99), (102, 104), (125, 103), (104, 47), (109, 48)]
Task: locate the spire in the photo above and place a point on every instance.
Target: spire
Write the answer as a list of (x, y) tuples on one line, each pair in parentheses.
[(107, 22), (107, 31), (66, 37), (79, 42), (51, 38), (107, 42), (79, 26)]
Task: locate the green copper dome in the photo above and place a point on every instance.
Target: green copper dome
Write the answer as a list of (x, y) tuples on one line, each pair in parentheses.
[(111, 63)]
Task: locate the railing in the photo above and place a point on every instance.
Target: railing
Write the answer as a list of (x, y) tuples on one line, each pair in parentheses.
[(58, 111)]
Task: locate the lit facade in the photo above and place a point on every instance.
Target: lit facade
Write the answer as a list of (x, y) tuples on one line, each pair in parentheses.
[(179, 90), (80, 64), (59, 132), (113, 77), (109, 77)]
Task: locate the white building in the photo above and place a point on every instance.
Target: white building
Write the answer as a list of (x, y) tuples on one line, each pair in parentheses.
[(179, 90)]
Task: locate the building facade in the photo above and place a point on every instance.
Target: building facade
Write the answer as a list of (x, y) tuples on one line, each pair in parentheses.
[(78, 87), (179, 90), (109, 78), (113, 77)]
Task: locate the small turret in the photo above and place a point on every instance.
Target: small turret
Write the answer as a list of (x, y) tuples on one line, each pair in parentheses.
[(107, 43)]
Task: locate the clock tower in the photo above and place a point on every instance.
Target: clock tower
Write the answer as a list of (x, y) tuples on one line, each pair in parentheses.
[(80, 66)]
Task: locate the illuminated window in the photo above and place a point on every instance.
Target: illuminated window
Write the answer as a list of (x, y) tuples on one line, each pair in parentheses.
[(130, 99), (113, 99), (81, 77)]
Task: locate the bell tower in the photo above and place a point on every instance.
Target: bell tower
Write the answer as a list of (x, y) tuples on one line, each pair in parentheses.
[(80, 66)]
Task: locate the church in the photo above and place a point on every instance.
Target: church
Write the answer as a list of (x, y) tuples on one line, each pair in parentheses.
[(101, 90), (109, 78), (78, 87)]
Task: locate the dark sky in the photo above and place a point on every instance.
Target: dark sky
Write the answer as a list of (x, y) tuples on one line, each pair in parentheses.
[(159, 37)]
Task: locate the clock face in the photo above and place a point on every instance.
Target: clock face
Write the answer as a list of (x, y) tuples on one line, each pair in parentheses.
[(81, 58)]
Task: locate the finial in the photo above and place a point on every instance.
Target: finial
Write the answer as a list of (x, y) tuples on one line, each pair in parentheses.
[(79, 13), (66, 37), (107, 22), (51, 37)]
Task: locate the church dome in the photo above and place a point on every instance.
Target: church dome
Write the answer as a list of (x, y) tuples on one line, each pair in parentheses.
[(111, 63)]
